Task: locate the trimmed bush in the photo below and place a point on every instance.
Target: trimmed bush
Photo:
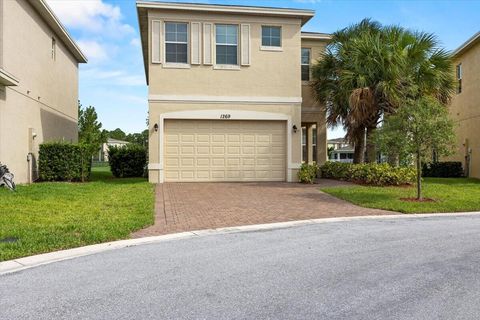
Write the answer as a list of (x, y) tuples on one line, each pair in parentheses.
[(369, 173), (448, 169), (308, 172), (60, 161), (127, 161)]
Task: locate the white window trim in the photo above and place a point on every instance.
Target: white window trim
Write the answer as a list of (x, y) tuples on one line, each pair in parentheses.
[(271, 48), (274, 49), (175, 65), (217, 66)]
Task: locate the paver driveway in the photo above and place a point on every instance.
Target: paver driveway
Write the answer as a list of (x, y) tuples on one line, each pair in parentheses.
[(195, 206)]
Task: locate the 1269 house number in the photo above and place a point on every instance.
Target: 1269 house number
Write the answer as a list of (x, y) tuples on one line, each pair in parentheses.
[(225, 116)]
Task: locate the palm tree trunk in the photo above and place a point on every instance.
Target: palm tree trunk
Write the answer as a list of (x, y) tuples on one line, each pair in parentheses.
[(359, 150), (419, 176), (371, 148)]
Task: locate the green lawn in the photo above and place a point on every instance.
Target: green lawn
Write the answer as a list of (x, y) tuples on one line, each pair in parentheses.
[(46, 217), (450, 195)]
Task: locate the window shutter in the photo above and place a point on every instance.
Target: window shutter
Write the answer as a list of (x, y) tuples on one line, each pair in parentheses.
[(156, 41), (245, 45), (196, 42), (207, 43)]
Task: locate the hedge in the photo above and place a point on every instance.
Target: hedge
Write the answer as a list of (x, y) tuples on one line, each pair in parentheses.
[(60, 161), (127, 161), (448, 169), (308, 172), (369, 173)]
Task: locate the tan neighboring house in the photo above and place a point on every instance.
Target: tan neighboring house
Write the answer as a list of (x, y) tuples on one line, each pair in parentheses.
[(229, 98), (465, 105), (38, 83), (103, 152)]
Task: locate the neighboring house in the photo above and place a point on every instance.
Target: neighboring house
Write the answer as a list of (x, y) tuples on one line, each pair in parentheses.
[(38, 84), (338, 143), (103, 152), (465, 106), (229, 95), (342, 150)]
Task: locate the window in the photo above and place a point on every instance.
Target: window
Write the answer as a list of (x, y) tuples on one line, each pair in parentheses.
[(226, 44), (271, 36), (54, 49), (305, 64), (314, 143), (304, 145), (459, 78), (176, 42)]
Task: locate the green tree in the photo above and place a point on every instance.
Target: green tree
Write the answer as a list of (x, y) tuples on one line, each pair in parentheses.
[(369, 70), (90, 132), (418, 128), (138, 138), (117, 134)]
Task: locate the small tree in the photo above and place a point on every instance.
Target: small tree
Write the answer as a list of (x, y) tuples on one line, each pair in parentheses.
[(418, 128), (90, 132)]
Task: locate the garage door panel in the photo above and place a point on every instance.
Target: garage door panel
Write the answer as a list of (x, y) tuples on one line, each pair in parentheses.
[(203, 150), (217, 150), (203, 138)]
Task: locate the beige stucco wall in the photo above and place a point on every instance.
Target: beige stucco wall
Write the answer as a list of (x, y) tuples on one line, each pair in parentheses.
[(465, 110), (312, 112), (271, 74), (45, 100)]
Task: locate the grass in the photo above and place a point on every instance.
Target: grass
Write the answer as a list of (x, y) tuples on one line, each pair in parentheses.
[(450, 195), (46, 217)]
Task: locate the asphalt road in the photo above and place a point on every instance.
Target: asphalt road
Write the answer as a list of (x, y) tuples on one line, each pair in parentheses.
[(419, 268)]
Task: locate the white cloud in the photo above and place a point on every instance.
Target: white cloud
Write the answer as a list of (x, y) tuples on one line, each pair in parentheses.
[(135, 42), (93, 50), (113, 77), (91, 15)]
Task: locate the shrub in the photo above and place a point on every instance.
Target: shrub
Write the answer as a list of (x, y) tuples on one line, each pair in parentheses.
[(127, 161), (369, 173), (448, 169), (60, 161), (308, 172)]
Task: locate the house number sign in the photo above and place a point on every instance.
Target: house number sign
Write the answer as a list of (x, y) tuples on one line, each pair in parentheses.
[(225, 116)]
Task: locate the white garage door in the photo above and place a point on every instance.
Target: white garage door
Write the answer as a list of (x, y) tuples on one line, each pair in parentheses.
[(217, 150)]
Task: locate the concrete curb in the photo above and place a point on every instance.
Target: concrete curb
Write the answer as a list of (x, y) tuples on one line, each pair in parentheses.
[(20, 264)]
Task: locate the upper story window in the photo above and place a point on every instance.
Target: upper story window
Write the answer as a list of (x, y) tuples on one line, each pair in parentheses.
[(176, 42), (459, 78), (226, 44), (271, 36), (306, 53), (54, 49)]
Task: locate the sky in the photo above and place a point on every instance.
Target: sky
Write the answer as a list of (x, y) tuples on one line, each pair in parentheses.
[(113, 80)]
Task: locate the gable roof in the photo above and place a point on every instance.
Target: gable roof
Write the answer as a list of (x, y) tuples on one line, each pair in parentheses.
[(467, 44), (53, 22), (143, 6)]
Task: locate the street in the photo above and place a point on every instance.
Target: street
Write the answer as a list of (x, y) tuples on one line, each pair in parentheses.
[(415, 268)]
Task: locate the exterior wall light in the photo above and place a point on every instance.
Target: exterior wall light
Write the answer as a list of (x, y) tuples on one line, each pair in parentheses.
[(294, 128), (155, 127)]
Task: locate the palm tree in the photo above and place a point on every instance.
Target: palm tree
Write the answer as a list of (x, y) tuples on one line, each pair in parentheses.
[(368, 71)]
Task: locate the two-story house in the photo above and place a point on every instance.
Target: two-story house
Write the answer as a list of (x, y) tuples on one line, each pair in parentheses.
[(38, 84), (465, 105), (229, 98)]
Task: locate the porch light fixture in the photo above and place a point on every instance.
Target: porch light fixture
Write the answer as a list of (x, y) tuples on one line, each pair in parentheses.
[(294, 128), (155, 127)]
